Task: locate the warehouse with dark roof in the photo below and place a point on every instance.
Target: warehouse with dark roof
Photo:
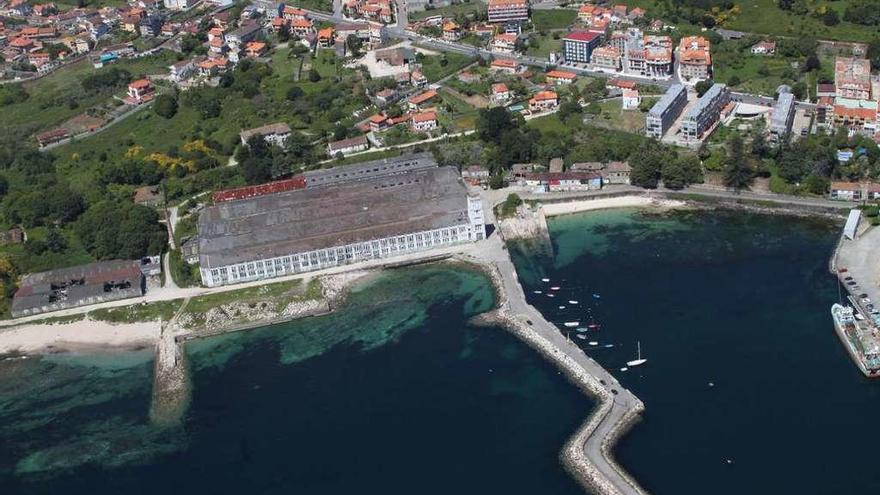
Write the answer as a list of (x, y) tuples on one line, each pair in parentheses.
[(77, 286), (346, 214)]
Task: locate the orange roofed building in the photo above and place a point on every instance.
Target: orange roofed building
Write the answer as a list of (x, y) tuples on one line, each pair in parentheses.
[(695, 61), (543, 101)]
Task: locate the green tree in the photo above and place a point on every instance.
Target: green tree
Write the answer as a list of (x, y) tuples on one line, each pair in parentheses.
[(493, 123), (737, 173), (165, 106), (55, 241), (703, 86), (831, 18), (681, 172), (647, 165)]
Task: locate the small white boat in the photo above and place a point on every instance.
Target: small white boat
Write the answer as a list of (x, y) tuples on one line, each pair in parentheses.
[(545, 280), (639, 361), (624, 368), (581, 329), (550, 295), (561, 307), (609, 346), (537, 292), (555, 287), (571, 324), (582, 337), (572, 302), (594, 343)]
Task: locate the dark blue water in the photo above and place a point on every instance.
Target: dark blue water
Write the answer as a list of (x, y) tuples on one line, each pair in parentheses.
[(393, 394), (737, 300)]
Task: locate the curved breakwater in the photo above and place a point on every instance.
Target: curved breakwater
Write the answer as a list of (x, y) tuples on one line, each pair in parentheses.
[(587, 455)]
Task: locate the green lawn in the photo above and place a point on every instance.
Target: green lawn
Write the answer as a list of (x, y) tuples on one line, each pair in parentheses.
[(615, 117), (60, 96), (434, 70), (553, 19), (467, 7), (763, 16), (545, 46), (320, 5)]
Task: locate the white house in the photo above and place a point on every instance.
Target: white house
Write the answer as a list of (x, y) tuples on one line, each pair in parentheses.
[(273, 133), (631, 99)]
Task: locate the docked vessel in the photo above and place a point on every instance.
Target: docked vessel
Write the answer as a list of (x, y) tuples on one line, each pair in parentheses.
[(860, 338)]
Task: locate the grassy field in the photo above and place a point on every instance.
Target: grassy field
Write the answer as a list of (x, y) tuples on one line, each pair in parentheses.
[(60, 96), (553, 19), (615, 117), (161, 310), (463, 116), (290, 290), (434, 70), (320, 5), (546, 46), (463, 8), (763, 16)]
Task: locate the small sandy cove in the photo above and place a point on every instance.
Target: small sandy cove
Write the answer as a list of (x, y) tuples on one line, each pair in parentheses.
[(553, 209), (78, 335)]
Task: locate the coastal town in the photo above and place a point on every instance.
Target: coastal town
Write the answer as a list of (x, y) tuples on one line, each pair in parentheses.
[(190, 169)]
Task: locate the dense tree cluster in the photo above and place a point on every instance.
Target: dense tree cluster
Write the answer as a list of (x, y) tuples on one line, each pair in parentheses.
[(863, 12), (120, 230), (653, 162)]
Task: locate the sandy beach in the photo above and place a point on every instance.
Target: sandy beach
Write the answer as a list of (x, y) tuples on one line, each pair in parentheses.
[(83, 334), (554, 209)]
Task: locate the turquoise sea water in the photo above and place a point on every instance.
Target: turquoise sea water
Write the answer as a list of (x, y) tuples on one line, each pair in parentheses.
[(746, 388), (395, 393)]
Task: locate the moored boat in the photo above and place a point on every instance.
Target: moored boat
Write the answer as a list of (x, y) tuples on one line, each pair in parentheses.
[(571, 324), (860, 338)]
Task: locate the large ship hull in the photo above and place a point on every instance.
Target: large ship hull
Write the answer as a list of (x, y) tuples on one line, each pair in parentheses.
[(854, 354)]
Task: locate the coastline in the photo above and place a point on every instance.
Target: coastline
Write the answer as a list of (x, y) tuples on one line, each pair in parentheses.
[(82, 335), (631, 201)]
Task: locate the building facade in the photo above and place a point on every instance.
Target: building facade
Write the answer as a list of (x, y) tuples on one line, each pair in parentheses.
[(705, 113), (508, 11), (577, 46), (665, 111)]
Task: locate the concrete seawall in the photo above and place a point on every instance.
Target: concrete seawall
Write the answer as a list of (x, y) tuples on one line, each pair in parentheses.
[(587, 455)]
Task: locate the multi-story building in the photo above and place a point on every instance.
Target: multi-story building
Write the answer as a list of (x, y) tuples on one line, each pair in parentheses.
[(606, 57), (665, 111), (782, 117), (852, 78), (362, 212), (694, 59), (578, 46), (505, 11), (649, 55), (504, 43), (856, 115), (705, 112)]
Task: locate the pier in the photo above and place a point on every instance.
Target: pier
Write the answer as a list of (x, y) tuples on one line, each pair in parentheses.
[(171, 385), (587, 455)]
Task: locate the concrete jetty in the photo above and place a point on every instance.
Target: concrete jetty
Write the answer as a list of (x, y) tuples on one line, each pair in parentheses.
[(171, 384), (587, 455)]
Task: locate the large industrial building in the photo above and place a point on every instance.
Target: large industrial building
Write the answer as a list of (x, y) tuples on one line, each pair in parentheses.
[(705, 112), (77, 286), (665, 111), (342, 215)]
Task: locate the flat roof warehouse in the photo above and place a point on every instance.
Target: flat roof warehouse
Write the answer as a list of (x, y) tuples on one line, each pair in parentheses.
[(368, 201)]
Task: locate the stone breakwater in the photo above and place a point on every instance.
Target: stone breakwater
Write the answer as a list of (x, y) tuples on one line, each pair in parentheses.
[(587, 454)]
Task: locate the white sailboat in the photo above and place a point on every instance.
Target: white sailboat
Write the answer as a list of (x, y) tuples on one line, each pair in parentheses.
[(639, 361)]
